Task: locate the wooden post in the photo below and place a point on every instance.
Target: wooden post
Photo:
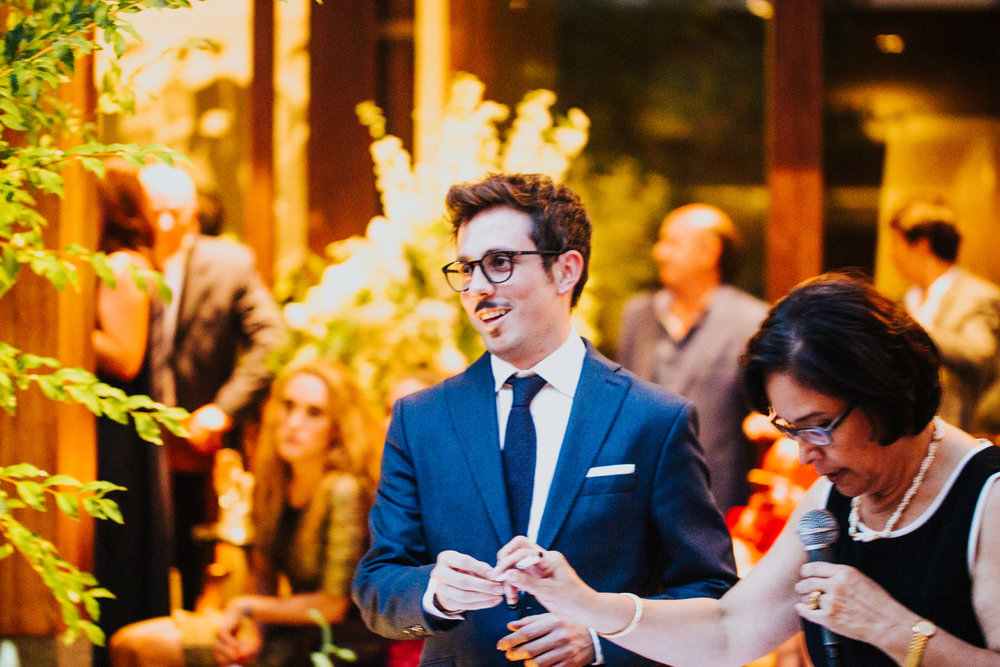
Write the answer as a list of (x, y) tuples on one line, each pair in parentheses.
[(794, 143), (56, 437), (259, 225), (343, 71)]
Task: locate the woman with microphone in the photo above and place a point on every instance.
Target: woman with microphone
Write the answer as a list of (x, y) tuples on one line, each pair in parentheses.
[(913, 572)]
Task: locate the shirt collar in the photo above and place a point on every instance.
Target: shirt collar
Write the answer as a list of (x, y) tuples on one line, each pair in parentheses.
[(924, 303), (942, 284), (561, 369)]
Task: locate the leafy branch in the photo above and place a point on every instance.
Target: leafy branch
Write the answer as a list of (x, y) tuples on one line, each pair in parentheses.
[(70, 586), (41, 133), (321, 658), (59, 266), (18, 370)]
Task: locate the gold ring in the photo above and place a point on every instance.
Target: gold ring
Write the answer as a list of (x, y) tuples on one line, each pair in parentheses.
[(814, 599)]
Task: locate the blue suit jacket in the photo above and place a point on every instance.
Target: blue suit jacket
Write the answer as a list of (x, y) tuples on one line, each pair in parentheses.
[(655, 532)]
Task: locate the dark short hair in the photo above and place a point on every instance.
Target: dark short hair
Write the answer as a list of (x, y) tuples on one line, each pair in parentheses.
[(839, 336), (931, 218), (558, 219)]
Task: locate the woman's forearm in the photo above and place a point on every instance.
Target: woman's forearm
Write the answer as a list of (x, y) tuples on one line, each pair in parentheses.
[(292, 610), (678, 632)]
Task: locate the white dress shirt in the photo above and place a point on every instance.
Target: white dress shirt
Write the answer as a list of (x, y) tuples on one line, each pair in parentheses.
[(549, 411), (924, 306)]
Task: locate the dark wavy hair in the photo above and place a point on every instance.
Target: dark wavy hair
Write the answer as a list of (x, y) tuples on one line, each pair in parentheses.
[(839, 336), (126, 222), (558, 219)]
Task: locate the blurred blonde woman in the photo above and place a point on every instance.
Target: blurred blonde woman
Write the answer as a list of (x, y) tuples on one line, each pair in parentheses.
[(313, 469)]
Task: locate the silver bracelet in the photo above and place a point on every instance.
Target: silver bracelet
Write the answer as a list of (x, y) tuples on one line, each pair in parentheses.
[(637, 601)]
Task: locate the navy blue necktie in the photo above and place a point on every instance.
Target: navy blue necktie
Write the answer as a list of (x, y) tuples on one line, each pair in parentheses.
[(519, 451)]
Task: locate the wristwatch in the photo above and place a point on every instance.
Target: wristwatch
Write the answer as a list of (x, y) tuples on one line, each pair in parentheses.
[(922, 631)]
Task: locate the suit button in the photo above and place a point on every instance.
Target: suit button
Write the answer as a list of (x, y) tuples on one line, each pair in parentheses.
[(416, 631)]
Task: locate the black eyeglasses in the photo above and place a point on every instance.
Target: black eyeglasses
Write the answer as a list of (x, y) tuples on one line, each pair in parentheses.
[(497, 266), (821, 436)]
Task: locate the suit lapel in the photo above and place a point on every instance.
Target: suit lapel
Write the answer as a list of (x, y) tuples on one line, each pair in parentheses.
[(599, 396), (472, 407), (187, 307)]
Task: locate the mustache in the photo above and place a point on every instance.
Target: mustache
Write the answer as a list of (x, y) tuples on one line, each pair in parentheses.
[(487, 303)]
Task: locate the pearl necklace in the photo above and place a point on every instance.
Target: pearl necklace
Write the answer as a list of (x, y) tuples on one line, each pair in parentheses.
[(872, 535)]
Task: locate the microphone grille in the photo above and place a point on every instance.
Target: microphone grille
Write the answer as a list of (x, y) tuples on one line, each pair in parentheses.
[(818, 529)]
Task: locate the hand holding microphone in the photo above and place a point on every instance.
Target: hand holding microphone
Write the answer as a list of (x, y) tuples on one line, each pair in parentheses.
[(818, 531)]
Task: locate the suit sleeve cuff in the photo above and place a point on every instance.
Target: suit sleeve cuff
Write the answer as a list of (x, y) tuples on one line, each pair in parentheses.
[(432, 609)]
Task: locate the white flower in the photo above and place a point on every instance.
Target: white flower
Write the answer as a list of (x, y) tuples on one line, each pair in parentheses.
[(385, 287), (296, 315)]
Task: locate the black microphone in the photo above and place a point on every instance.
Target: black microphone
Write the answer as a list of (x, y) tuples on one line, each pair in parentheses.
[(818, 531)]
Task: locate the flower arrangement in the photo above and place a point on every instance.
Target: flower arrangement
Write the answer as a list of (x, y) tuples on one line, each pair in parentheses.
[(381, 304)]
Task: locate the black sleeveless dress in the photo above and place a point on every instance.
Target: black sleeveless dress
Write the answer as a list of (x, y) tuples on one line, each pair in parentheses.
[(132, 560), (926, 569)]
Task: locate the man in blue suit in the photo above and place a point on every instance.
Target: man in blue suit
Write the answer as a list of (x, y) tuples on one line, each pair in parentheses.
[(617, 480)]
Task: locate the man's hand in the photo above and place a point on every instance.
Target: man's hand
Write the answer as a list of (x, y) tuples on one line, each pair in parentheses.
[(206, 426), (463, 583), (545, 640)]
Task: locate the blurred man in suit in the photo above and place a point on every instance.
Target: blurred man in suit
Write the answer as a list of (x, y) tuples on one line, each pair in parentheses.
[(207, 350), (689, 335), (600, 465), (961, 311)]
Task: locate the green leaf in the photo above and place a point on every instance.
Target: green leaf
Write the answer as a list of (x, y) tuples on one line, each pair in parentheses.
[(93, 632), (95, 165), (139, 277), (21, 470), (85, 395), (111, 510), (100, 486), (33, 494), (161, 288), (147, 428), (77, 375), (320, 660), (6, 550), (139, 402), (93, 507), (51, 387), (68, 504), (28, 361), (61, 480), (8, 399), (113, 408), (119, 45), (55, 270), (344, 653)]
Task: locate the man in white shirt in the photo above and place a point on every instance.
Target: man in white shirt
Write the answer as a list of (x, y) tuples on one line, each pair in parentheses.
[(961, 312), (616, 479)]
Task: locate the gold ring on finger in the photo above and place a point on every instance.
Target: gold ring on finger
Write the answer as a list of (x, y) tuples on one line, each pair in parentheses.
[(814, 599)]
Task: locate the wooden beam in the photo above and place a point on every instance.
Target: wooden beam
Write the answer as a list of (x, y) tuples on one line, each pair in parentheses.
[(259, 225), (56, 437), (343, 72), (794, 239)]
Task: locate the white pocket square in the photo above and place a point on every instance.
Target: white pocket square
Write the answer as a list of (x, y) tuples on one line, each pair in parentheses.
[(617, 469)]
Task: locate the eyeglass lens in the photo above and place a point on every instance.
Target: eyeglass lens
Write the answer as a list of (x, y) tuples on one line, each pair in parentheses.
[(497, 267)]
